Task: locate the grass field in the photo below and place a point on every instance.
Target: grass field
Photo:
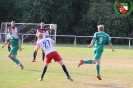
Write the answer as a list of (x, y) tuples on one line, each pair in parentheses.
[(116, 69)]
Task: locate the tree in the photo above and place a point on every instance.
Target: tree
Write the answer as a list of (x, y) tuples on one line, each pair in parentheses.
[(6, 7)]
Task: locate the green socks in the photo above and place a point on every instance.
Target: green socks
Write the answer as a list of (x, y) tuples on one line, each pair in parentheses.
[(98, 69), (88, 61), (91, 62), (16, 61)]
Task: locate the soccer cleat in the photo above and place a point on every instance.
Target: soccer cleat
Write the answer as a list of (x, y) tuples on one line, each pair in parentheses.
[(99, 77), (40, 79), (17, 65), (33, 61), (80, 63), (69, 78), (22, 68)]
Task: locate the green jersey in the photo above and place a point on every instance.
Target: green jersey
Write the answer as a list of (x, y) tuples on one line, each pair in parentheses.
[(14, 39), (100, 39)]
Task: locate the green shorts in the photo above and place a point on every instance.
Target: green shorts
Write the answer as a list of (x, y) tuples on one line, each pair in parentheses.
[(14, 50), (98, 54)]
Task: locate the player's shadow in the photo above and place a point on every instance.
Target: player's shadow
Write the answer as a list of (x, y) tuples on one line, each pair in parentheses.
[(108, 86), (54, 71), (33, 70), (100, 85)]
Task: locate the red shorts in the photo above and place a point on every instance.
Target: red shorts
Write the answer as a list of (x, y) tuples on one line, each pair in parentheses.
[(53, 55), (9, 43)]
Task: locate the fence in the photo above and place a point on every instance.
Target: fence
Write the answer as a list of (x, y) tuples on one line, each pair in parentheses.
[(74, 38), (26, 28)]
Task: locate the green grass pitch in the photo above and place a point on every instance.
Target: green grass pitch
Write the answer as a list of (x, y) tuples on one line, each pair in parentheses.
[(116, 69)]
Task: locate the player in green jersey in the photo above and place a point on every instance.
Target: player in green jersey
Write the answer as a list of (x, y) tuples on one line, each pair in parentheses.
[(16, 44), (98, 42)]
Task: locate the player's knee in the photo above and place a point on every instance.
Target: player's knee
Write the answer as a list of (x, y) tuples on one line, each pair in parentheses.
[(98, 62), (61, 62), (34, 43), (94, 62), (9, 55)]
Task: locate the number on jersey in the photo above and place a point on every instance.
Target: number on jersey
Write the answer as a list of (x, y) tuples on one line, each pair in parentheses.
[(100, 40), (46, 43)]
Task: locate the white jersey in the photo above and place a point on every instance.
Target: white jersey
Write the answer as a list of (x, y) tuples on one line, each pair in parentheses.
[(46, 45), (8, 36), (14, 30), (44, 32), (14, 35)]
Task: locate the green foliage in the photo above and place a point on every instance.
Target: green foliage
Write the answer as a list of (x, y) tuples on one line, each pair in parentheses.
[(101, 13), (73, 17), (6, 7)]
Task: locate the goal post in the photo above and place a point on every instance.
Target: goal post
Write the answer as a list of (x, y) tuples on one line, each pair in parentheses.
[(27, 30)]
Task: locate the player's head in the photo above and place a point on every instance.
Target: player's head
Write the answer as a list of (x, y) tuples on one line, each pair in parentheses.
[(42, 24), (12, 23), (9, 29), (100, 27)]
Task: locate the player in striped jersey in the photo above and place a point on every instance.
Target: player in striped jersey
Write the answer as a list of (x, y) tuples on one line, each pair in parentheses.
[(45, 34)]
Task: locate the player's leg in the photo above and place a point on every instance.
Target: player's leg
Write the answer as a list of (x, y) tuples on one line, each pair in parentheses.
[(12, 54), (65, 70), (9, 47), (98, 70), (18, 63), (34, 54), (97, 59), (44, 71), (43, 55), (87, 61), (48, 60), (57, 58)]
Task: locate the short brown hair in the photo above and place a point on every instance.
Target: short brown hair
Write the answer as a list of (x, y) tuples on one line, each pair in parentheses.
[(9, 27), (13, 22), (100, 27)]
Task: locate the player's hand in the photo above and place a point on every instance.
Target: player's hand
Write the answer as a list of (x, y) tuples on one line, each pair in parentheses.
[(20, 49), (89, 46), (2, 46)]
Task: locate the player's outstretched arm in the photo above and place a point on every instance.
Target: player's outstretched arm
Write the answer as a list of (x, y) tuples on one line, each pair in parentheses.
[(4, 44), (110, 45), (91, 44)]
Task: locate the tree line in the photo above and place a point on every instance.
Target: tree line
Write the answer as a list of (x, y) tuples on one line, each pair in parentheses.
[(73, 17)]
